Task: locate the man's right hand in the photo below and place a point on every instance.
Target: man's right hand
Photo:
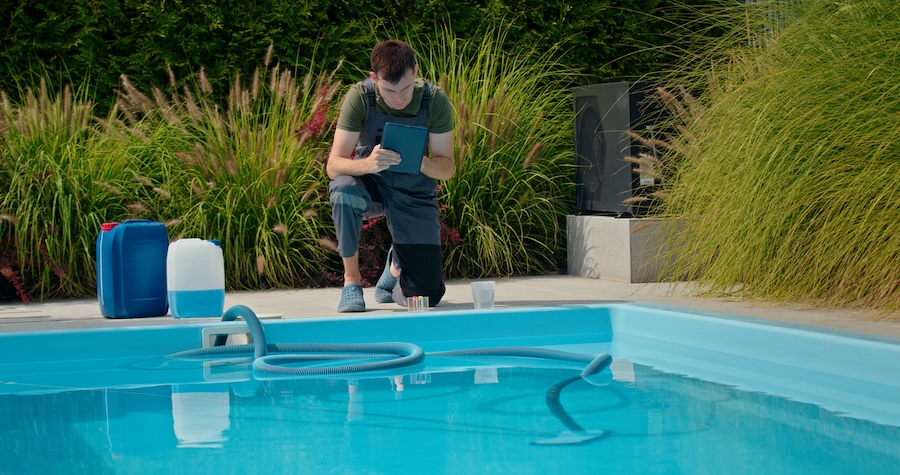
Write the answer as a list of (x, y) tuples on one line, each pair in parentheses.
[(380, 159), (340, 163)]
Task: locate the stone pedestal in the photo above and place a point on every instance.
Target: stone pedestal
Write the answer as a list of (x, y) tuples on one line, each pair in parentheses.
[(622, 249)]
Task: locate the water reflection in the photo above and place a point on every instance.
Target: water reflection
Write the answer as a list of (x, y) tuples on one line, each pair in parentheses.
[(201, 413)]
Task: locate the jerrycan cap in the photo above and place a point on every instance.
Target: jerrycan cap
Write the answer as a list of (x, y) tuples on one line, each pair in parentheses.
[(108, 226)]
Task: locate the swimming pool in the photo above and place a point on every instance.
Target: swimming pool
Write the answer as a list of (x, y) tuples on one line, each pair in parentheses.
[(687, 392)]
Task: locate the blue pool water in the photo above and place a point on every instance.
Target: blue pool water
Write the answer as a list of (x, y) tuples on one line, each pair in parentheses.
[(687, 393)]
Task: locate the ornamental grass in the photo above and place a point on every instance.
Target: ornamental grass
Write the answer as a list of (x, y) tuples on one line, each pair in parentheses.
[(788, 177), (514, 181)]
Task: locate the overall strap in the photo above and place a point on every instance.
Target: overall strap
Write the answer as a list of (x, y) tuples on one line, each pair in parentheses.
[(426, 99), (370, 92)]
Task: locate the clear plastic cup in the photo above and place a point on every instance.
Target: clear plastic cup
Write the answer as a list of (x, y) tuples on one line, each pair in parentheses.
[(483, 294)]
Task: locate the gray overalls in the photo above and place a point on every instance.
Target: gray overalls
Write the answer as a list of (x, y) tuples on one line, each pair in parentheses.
[(408, 201)]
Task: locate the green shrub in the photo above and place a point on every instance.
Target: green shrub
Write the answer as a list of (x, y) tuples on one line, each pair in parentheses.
[(100, 40)]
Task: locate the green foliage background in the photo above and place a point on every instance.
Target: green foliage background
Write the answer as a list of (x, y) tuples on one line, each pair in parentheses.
[(136, 148), (248, 169), (796, 113)]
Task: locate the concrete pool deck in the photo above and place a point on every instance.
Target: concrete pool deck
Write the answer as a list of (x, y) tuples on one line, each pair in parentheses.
[(510, 293)]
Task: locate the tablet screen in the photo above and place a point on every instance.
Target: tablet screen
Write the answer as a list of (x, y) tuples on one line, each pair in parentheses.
[(407, 140)]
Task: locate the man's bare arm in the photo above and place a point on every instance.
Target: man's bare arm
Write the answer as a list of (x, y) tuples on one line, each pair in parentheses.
[(439, 165)]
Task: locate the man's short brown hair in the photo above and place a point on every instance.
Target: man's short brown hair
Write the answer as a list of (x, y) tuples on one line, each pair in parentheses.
[(391, 59)]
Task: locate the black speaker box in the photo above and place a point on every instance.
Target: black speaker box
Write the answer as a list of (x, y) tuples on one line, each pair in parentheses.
[(604, 113)]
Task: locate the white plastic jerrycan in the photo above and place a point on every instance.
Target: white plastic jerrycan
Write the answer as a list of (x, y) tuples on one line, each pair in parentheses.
[(195, 278)]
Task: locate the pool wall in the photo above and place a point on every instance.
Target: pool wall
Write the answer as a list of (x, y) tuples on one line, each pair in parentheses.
[(436, 330), (837, 352), (846, 372)]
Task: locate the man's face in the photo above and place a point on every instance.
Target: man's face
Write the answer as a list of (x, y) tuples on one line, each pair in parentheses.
[(399, 94)]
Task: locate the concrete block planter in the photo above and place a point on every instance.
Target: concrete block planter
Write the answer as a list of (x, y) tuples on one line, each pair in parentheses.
[(622, 249)]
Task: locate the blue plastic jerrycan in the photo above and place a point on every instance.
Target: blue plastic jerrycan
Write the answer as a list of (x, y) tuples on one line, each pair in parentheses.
[(131, 269)]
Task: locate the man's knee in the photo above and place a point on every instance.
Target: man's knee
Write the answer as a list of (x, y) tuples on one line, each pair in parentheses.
[(421, 271), (344, 193)]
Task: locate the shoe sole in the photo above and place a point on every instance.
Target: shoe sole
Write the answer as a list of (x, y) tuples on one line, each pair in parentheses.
[(351, 310)]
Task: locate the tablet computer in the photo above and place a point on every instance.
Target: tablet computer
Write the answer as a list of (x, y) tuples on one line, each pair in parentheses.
[(407, 140)]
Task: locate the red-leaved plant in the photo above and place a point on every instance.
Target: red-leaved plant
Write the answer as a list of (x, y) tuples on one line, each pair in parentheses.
[(8, 271)]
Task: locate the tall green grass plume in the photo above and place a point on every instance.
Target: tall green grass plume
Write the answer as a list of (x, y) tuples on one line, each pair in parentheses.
[(787, 186), (514, 176), (51, 208), (249, 173)]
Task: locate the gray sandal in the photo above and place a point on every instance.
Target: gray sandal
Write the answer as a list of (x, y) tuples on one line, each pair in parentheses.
[(352, 299), (386, 283)]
